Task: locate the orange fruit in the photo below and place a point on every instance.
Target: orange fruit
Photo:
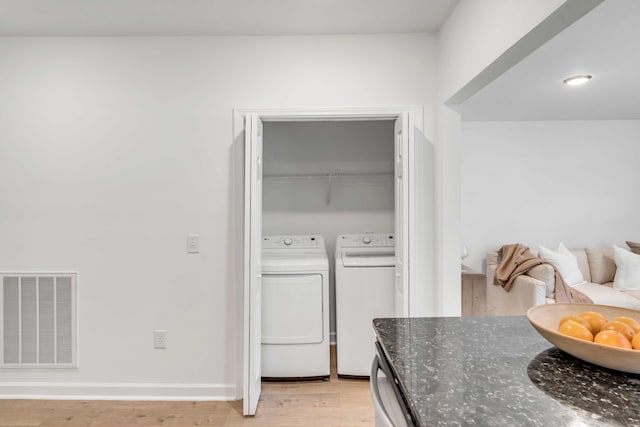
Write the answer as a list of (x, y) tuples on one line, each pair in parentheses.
[(635, 343), (576, 319), (576, 330), (596, 320), (623, 328), (612, 338), (629, 321)]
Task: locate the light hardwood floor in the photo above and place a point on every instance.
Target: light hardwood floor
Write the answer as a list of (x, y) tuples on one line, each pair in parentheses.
[(337, 402)]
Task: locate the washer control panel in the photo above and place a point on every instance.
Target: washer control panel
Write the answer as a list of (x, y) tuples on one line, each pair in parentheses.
[(367, 239), (292, 242)]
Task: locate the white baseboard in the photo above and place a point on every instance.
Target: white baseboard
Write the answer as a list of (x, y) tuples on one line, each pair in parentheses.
[(332, 337), (116, 391)]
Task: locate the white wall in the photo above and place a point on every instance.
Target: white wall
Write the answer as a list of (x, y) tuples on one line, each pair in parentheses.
[(113, 149), (472, 39), (319, 205), (546, 182), (322, 147), (477, 33)]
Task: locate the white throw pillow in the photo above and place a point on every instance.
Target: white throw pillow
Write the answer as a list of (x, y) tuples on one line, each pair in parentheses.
[(565, 262), (627, 269)]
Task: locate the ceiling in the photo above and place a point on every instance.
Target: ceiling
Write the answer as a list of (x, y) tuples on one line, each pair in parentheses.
[(219, 17), (603, 43)]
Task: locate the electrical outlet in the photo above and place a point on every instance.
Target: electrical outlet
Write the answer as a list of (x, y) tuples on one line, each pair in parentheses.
[(159, 339)]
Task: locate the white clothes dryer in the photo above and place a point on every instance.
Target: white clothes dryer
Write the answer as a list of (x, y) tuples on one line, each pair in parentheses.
[(295, 307), (365, 283)]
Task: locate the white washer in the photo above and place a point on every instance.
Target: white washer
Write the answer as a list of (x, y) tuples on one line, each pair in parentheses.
[(295, 307), (365, 282)]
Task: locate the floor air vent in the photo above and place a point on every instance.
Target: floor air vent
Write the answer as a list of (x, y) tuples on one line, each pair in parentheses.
[(38, 322)]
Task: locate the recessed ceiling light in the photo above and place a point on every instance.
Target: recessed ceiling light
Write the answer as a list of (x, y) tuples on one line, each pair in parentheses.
[(577, 80)]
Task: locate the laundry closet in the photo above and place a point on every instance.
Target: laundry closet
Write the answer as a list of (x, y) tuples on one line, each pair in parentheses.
[(322, 180), (333, 219)]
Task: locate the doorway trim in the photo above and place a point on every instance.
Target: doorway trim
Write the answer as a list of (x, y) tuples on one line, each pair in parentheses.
[(305, 114)]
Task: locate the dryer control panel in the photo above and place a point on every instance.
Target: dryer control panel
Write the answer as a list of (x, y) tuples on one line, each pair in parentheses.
[(367, 239), (293, 242)]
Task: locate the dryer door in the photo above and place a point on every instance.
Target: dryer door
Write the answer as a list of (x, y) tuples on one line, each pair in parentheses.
[(292, 309)]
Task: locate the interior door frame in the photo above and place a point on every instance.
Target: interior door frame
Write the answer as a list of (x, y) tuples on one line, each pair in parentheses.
[(317, 114)]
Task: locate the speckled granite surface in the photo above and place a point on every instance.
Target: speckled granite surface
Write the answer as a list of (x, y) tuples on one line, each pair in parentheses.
[(497, 371)]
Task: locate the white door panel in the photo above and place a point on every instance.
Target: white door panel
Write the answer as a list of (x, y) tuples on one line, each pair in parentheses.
[(403, 134), (253, 264)]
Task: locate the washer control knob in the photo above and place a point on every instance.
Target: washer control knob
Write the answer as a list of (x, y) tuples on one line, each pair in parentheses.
[(288, 241), (366, 240)]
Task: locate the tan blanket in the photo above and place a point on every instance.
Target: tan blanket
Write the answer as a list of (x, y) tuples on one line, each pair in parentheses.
[(517, 259)]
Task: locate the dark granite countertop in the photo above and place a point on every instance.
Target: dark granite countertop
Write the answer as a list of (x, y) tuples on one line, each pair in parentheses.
[(498, 371)]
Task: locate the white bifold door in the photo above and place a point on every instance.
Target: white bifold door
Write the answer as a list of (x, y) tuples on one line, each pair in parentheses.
[(252, 263), (403, 136)]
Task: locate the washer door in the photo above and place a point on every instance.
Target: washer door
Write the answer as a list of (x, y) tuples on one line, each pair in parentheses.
[(292, 309)]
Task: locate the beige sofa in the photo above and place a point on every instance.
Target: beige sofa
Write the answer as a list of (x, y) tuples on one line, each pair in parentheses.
[(537, 286)]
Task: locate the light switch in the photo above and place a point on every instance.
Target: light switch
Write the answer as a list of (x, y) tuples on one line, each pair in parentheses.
[(193, 243)]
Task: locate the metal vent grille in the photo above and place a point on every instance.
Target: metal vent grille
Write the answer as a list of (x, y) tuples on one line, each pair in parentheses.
[(38, 323)]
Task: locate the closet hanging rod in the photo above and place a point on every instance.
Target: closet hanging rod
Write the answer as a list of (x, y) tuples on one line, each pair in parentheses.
[(327, 175)]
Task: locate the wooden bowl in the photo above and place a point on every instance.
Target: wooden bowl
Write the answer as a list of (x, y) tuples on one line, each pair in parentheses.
[(545, 319)]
